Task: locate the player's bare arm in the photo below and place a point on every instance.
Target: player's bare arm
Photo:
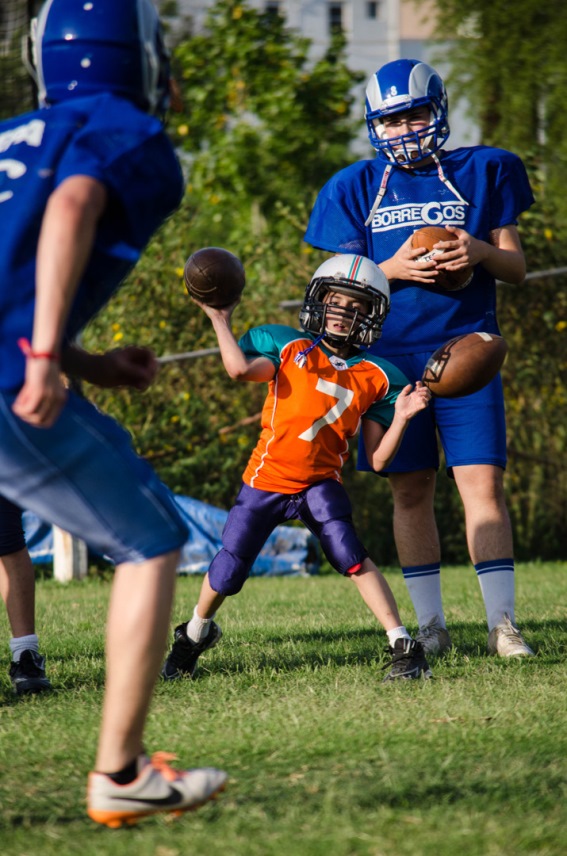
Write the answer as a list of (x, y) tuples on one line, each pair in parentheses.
[(132, 366), (65, 243), (502, 255), (236, 363), (382, 444)]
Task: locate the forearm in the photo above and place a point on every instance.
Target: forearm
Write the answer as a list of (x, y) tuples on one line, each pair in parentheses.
[(382, 454), (65, 243), (505, 264), (235, 361), (233, 358), (77, 362)]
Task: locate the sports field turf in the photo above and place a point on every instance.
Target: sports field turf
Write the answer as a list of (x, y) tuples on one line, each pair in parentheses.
[(324, 759)]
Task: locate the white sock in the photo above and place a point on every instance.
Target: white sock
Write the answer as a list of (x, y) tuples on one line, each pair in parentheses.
[(198, 627), (397, 633), (496, 579), (23, 643), (424, 586)]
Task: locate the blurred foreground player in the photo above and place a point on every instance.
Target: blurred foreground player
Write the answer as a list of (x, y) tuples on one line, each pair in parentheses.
[(132, 366), (85, 182)]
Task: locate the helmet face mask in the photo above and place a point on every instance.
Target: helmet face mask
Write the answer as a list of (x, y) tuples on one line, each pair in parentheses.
[(354, 276), (81, 49), (398, 87)]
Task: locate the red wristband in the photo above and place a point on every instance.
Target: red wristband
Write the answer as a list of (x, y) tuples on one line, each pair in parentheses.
[(26, 349)]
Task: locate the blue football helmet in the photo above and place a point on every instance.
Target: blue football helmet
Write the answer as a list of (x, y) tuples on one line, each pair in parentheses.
[(357, 277), (85, 47), (402, 85)]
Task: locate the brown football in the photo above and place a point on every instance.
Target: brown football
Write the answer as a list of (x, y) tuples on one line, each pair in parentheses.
[(465, 364), (449, 280), (214, 276)]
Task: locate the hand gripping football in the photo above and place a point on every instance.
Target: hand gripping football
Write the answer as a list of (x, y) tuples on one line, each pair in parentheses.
[(465, 364), (449, 280), (214, 276)]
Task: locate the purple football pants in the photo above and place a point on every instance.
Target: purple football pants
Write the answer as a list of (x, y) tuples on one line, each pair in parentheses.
[(323, 507)]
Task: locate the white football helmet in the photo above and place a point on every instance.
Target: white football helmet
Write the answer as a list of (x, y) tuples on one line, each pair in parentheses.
[(356, 276), (402, 85)]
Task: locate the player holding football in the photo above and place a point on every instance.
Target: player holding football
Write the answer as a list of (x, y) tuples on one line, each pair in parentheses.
[(321, 385), (84, 183), (373, 207)]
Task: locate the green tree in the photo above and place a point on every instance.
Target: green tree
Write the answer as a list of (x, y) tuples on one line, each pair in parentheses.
[(510, 67), (17, 94), (263, 127)]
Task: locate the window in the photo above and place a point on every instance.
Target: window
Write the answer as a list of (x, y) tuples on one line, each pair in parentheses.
[(372, 9), (335, 17)]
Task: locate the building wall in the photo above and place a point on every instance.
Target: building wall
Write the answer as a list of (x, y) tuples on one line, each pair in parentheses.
[(377, 32)]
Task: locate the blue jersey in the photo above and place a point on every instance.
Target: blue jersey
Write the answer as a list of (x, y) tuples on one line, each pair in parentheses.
[(479, 189), (103, 137)]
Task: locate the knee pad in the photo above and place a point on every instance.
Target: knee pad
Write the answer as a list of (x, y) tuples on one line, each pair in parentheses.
[(228, 572), (341, 544), (245, 532)]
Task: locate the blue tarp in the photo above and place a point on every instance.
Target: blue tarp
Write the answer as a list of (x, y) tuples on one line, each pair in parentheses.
[(289, 549)]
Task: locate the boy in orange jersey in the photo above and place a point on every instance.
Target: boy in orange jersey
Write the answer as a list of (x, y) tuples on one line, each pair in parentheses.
[(322, 384)]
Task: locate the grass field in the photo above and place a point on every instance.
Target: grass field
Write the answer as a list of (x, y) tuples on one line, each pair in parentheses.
[(323, 758)]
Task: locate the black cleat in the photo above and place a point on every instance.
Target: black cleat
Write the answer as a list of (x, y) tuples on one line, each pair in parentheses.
[(182, 659), (28, 674), (408, 661)]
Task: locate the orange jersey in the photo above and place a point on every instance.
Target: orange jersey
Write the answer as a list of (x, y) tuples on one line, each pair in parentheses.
[(311, 412)]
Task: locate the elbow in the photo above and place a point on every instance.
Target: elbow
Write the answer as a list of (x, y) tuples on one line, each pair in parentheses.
[(379, 465), (378, 462), (80, 200), (515, 271), (236, 374), (518, 276)]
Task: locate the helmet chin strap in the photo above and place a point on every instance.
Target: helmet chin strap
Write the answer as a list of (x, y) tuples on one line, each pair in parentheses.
[(336, 340)]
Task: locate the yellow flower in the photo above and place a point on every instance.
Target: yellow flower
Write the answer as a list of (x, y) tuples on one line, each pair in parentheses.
[(162, 325), (560, 326), (179, 271), (174, 418), (116, 327), (117, 336), (237, 13), (183, 130), (548, 234)]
